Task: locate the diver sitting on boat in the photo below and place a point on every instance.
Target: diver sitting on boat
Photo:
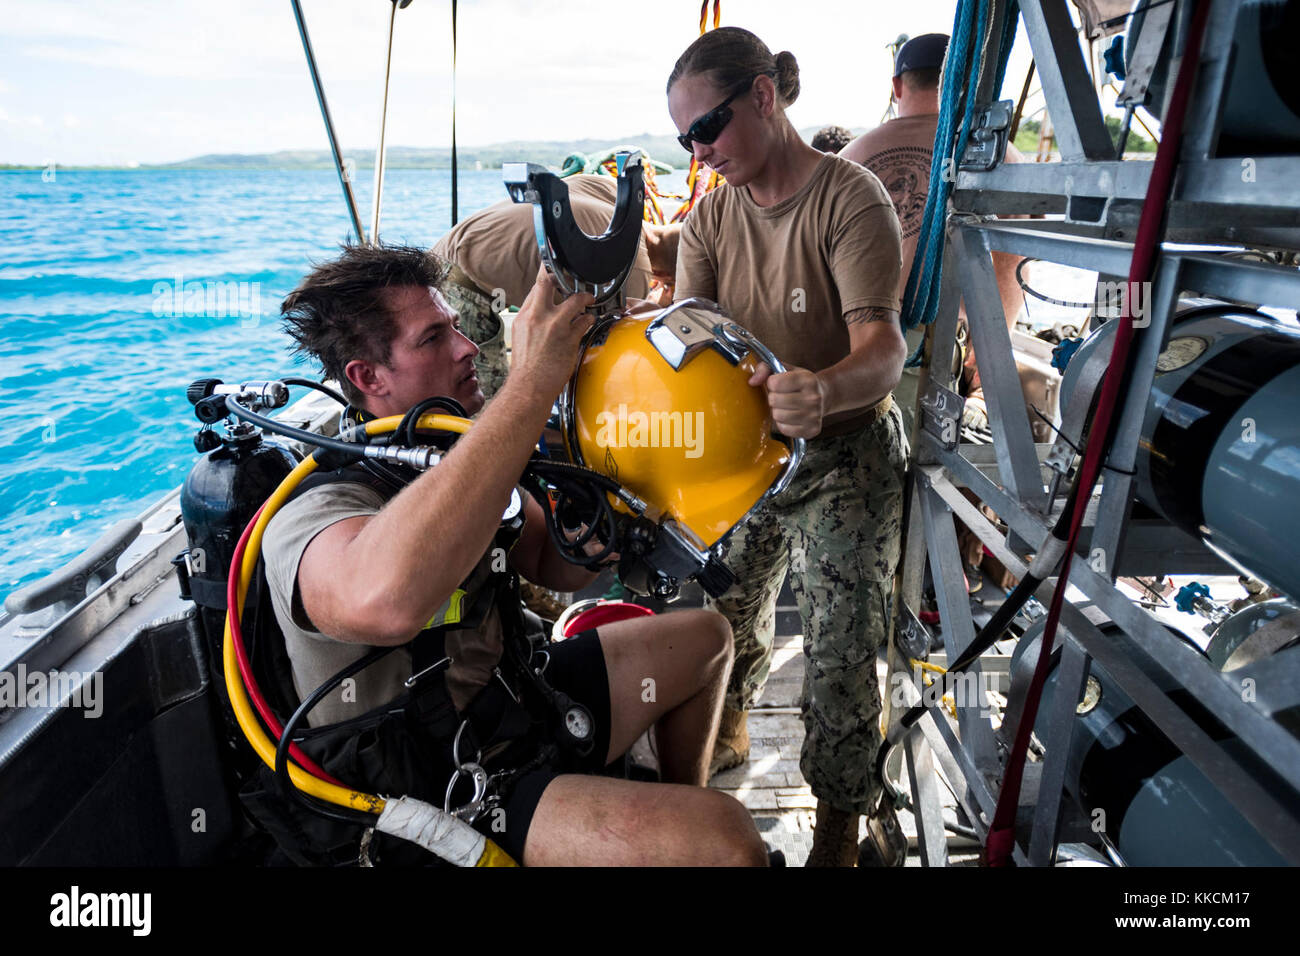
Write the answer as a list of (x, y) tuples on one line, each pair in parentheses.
[(353, 565), (495, 259)]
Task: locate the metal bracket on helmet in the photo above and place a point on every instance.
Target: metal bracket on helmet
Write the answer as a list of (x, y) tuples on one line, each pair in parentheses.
[(686, 328), (582, 263)]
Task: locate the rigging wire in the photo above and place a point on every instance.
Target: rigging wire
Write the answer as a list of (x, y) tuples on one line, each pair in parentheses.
[(455, 182)]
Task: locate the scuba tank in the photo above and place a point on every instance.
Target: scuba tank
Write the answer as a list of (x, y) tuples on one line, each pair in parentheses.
[(223, 491)]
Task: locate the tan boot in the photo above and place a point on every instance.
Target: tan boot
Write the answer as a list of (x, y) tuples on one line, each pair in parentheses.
[(835, 837), (732, 746)]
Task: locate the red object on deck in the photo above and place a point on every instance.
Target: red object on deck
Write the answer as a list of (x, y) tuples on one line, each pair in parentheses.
[(604, 612)]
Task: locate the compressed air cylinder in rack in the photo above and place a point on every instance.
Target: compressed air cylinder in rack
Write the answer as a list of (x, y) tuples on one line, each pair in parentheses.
[(1154, 804), (1219, 453)]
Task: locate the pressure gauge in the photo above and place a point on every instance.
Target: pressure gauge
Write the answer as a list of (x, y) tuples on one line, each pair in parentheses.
[(577, 721)]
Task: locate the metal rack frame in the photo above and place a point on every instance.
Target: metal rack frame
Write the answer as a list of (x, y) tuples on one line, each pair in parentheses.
[(1013, 475)]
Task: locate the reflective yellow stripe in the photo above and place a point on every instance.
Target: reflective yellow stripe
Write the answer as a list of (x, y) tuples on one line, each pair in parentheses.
[(449, 613)]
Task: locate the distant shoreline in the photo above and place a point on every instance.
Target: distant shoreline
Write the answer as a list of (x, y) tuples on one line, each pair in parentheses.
[(662, 148), (186, 167)]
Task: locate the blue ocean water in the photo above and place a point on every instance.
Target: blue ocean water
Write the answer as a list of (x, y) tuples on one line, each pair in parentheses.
[(98, 348)]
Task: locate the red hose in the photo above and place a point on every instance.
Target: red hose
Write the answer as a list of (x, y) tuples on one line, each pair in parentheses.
[(1146, 247), (246, 668)]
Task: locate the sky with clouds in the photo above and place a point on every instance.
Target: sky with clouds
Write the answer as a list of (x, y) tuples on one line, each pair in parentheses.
[(152, 81)]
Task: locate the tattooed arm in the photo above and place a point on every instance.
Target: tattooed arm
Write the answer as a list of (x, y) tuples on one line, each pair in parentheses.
[(874, 363), (801, 399)]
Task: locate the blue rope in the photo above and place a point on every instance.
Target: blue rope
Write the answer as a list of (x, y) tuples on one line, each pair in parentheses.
[(921, 296), (924, 260)]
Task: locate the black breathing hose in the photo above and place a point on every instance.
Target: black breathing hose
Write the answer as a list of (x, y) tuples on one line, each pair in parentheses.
[(1053, 550), (323, 389), (572, 481), (283, 782)]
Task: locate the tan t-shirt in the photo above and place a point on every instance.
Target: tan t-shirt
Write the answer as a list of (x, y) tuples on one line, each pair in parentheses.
[(789, 272), (315, 657), (899, 153), (496, 247)]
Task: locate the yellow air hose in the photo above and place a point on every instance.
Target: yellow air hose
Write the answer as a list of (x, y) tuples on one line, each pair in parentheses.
[(468, 853)]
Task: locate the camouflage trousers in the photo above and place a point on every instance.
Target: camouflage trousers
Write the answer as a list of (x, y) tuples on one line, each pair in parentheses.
[(482, 326), (836, 530)]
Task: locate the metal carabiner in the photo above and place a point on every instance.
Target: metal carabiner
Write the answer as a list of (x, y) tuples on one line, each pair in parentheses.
[(473, 809)]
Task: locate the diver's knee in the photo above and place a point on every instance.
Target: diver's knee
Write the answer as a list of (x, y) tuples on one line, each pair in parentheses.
[(740, 842), (714, 635)]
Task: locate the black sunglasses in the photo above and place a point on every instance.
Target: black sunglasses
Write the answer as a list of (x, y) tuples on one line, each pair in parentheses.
[(709, 127)]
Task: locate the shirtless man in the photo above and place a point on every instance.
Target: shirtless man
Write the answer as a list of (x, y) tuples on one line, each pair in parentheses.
[(899, 153)]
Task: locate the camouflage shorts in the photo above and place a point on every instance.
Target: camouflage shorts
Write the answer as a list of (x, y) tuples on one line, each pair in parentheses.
[(481, 324), (836, 530)]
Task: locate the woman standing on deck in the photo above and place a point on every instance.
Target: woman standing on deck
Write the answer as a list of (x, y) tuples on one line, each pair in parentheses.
[(803, 249)]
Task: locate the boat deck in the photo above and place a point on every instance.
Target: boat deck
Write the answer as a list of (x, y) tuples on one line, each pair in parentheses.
[(770, 784)]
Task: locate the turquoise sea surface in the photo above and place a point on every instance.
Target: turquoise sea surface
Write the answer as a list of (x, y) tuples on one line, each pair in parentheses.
[(98, 346)]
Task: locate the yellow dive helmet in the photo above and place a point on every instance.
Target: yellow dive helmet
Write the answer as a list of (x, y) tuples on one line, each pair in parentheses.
[(660, 402)]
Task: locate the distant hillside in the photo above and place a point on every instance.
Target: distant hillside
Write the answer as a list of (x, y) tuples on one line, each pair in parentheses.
[(664, 149)]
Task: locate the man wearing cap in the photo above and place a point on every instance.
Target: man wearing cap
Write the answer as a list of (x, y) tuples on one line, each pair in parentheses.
[(495, 260), (899, 153)]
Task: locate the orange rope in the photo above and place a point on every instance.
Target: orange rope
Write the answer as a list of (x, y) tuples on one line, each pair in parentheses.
[(653, 211), (704, 12), (696, 186), (693, 192)]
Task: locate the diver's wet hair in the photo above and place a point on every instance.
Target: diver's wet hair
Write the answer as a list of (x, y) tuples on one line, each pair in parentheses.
[(729, 56), (340, 312)]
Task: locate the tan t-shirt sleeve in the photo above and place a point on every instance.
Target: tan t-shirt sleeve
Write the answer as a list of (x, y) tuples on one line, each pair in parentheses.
[(865, 256), (593, 186), (697, 273), (294, 527)]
